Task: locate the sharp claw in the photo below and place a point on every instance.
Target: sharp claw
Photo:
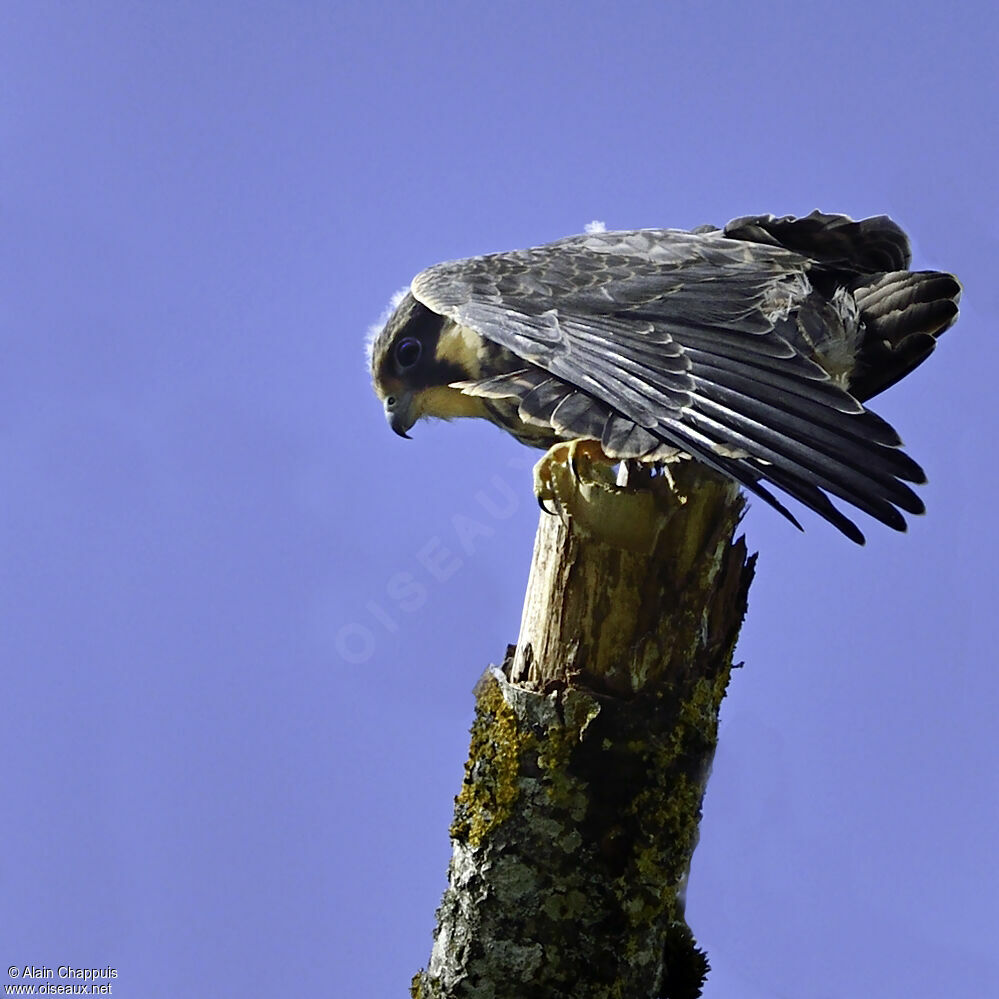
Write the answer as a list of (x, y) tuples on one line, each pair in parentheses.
[(544, 509)]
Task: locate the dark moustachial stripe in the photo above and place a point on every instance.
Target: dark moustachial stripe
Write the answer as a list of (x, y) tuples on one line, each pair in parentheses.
[(413, 319)]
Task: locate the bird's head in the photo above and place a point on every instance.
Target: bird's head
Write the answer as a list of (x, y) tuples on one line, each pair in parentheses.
[(412, 367)]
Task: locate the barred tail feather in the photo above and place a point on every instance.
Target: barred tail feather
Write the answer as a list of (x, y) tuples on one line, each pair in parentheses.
[(902, 312)]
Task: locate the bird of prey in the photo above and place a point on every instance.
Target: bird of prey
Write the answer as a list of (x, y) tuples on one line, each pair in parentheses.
[(751, 349)]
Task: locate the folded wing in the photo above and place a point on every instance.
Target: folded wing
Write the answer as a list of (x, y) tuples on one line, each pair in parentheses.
[(658, 341)]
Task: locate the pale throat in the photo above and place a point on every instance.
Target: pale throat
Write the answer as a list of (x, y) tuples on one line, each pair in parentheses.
[(446, 403)]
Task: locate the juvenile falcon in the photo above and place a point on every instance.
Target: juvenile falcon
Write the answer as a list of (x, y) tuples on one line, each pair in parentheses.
[(750, 349)]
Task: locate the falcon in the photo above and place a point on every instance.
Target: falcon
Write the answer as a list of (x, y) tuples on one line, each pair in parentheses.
[(751, 349)]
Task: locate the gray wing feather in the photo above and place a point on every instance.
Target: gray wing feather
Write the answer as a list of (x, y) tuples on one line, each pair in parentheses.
[(664, 337)]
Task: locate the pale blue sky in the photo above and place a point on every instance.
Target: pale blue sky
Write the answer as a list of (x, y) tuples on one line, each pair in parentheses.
[(233, 735)]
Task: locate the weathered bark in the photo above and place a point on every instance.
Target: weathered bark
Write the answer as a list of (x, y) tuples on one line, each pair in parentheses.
[(590, 751)]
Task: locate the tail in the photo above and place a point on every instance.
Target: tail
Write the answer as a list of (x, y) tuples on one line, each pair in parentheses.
[(903, 313)]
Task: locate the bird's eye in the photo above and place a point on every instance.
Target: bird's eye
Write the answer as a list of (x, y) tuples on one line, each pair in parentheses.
[(407, 352)]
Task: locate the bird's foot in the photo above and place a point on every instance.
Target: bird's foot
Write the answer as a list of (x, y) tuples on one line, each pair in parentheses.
[(566, 468), (577, 479)]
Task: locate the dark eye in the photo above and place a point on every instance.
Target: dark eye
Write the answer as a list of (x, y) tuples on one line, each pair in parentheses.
[(407, 352)]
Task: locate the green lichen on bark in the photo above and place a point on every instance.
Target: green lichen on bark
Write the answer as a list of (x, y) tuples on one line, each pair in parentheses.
[(608, 793), (490, 789)]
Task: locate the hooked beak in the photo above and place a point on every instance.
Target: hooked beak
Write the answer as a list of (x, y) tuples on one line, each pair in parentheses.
[(399, 413)]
